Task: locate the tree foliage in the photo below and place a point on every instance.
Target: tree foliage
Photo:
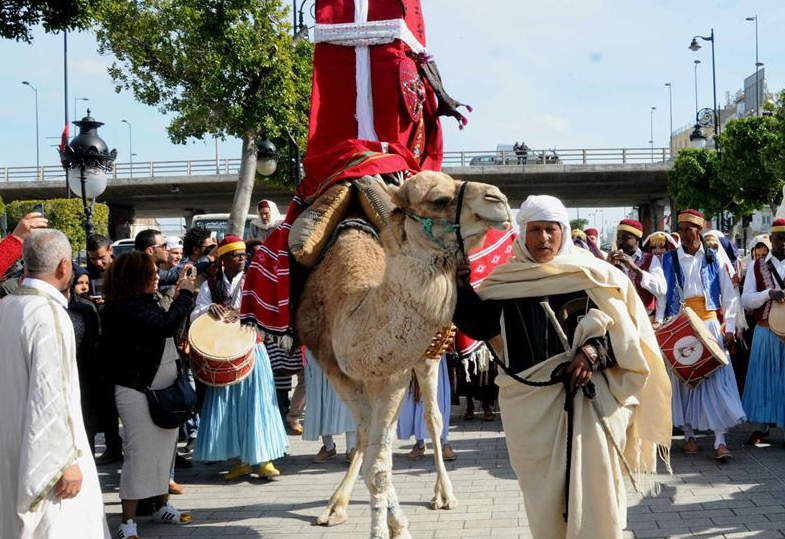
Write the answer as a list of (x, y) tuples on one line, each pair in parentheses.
[(18, 17), (579, 223), (774, 154), (64, 214), (220, 67), (744, 176), (694, 171)]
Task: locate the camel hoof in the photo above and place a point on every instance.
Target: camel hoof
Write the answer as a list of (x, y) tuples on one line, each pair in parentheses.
[(401, 533), (331, 517), (444, 502)]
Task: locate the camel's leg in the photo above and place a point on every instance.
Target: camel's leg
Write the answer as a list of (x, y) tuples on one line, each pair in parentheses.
[(351, 392), (427, 372), (377, 468)]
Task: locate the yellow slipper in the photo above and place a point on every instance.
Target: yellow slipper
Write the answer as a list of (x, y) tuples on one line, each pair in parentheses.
[(238, 470), (268, 470)]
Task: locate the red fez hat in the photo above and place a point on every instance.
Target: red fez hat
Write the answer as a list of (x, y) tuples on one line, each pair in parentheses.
[(591, 232), (262, 204), (778, 225), (230, 243), (692, 216), (632, 226)]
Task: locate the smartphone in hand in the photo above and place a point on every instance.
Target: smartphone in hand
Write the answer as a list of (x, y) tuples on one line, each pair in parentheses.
[(39, 208)]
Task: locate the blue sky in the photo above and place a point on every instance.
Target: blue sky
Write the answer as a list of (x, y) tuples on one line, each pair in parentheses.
[(562, 73)]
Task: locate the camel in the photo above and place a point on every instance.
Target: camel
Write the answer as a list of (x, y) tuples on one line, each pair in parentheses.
[(369, 312)]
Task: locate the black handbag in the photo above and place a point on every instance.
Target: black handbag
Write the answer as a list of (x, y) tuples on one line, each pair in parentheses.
[(172, 406)]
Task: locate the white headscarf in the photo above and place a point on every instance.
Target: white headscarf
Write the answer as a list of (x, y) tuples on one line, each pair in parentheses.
[(544, 208), (275, 215)]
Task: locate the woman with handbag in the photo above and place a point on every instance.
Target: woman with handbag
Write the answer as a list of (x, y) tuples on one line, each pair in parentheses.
[(135, 329)]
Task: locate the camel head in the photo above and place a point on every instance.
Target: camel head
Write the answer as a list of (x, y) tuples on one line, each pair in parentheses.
[(429, 202)]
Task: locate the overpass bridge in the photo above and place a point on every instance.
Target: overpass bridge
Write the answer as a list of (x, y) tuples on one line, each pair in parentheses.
[(580, 177)]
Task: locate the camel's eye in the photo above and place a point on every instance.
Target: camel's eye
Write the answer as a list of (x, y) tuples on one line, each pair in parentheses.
[(441, 201)]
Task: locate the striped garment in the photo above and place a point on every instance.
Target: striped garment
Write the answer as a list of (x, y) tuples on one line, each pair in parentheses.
[(284, 365)]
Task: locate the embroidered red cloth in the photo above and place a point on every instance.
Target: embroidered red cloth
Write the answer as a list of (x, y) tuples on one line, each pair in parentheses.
[(495, 250), (404, 108), (265, 300)]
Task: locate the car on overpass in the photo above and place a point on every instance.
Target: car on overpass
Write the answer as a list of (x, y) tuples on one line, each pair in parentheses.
[(218, 223)]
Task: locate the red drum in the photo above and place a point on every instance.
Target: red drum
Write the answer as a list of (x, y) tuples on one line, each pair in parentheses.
[(691, 351), (221, 354)]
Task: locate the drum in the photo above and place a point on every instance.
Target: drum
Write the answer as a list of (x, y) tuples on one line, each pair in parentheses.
[(777, 318), (221, 354), (688, 347)]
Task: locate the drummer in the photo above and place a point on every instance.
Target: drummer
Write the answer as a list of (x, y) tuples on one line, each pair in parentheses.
[(764, 392), (643, 269), (692, 272), (239, 421)]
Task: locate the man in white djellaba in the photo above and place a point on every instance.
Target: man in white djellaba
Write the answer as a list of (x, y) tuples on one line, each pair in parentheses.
[(48, 482)]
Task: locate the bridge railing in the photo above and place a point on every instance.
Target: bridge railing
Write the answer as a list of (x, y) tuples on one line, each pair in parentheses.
[(204, 167)]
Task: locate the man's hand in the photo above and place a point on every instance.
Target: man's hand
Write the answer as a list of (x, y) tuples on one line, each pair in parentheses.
[(463, 274), (619, 258), (580, 369), (218, 311), (232, 316), (777, 295), (70, 483), (29, 222), (187, 279)]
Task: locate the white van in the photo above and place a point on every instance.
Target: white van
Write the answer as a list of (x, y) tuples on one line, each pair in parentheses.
[(218, 223)]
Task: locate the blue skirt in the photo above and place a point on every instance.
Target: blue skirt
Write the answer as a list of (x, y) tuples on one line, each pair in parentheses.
[(325, 412), (242, 420), (715, 403), (764, 389), (411, 420)]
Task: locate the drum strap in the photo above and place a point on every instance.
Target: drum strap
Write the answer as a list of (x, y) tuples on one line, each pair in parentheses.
[(775, 274), (679, 274)]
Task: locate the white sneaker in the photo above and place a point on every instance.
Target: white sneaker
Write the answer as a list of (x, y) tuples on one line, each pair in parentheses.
[(127, 530), (169, 514)]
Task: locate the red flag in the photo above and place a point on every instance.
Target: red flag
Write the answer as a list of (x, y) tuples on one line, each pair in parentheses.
[(63, 142), (495, 251)]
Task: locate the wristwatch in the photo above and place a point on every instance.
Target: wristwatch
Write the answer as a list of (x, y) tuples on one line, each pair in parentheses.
[(591, 353)]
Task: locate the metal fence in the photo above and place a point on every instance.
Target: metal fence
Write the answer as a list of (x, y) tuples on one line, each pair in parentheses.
[(204, 167)]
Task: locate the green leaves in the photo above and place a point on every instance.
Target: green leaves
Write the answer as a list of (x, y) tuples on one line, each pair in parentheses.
[(17, 17), (219, 67), (64, 214), (747, 173)]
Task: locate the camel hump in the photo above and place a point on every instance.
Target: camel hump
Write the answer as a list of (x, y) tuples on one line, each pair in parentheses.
[(370, 196)]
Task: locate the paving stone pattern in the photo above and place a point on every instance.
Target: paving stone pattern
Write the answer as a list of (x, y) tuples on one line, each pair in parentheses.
[(743, 498)]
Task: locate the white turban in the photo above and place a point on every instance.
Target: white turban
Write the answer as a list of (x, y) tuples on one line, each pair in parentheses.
[(544, 208)]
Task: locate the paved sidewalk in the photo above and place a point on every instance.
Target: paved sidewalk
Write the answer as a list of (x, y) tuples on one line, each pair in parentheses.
[(744, 498)]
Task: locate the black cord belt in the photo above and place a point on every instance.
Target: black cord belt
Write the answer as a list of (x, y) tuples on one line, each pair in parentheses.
[(558, 376)]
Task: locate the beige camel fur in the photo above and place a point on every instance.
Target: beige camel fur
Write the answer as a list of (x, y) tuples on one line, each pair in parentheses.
[(369, 312)]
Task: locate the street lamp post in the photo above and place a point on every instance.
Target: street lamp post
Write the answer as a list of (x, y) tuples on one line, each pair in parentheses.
[(651, 132), (757, 67), (76, 113), (37, 152), (130, 146), (695, 46), (88, 156), (670, 116)]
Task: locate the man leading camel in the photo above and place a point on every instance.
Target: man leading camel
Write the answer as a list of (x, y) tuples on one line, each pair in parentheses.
[(613, 357)]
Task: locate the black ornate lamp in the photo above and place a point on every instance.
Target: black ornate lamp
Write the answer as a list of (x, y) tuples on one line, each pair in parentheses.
[(266, 157), (88, 159)]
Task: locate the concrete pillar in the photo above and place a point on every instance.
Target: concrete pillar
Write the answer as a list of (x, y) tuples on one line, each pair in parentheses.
[(651, 216), (120, 220)]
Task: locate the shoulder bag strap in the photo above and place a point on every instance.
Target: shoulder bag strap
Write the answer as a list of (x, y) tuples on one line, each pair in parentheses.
[(775, 274)]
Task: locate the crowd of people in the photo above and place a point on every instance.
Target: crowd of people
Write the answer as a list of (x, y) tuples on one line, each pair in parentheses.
[(97, 341)]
